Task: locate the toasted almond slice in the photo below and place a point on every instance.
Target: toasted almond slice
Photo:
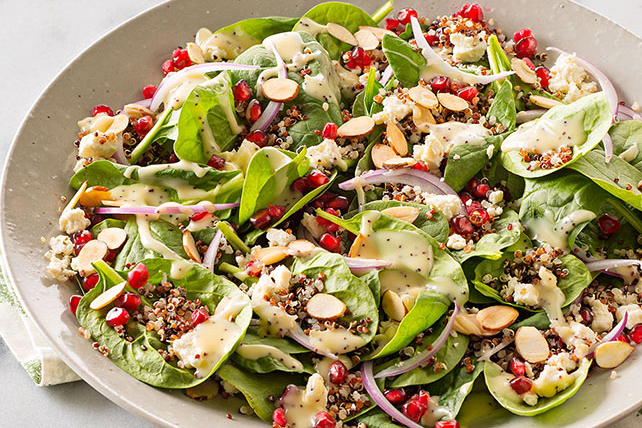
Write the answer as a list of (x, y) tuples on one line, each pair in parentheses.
[(531, 344), (108, 296), (609, 355), (91, 252), (270, 255), (94, 196), (381, 153), (342, 33), (544, 102), (324, 306), (405, 213), (280, 89), (204, 391), (366, 39), (119, 124), (301, 248), (396, 139), (452, 102), (423, 96), (399, 163), (195, 53), (202, 35), (356, 245), (102, 122), (190, 246), (356, 127), (467, 324), (498, 317), (377, 31), (393, 305), (422, 118), (109, 203), (114, 237), (74, 199), (136, 111), (523, 71)]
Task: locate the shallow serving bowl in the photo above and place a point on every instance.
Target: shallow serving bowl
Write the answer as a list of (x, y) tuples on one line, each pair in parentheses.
[(114, 69)]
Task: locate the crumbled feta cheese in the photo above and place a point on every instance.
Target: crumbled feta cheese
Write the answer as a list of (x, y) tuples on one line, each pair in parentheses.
[(496, 196), (98, 145), (563, 361), (309, 221), (61, 244), (635, 314), (622, 298), (552, 380), (394, 110), (431, 152), (326, 155), (73, 221), (456, 242), (525, 294), (58, 267), (602, 318), (448, 205), (468, 48), (574, 335), (279, 237), (570, 79)]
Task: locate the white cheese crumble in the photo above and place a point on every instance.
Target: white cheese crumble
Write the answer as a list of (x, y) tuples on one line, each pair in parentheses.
[(552, 380), (496, 196), (602, 318), (279, 237), (468, 48), (394, 110), (326, 155), (525, 294), (310, 222), (570, 79), (456, 242), (635, 315), (448, 205), (73, 221), (98, 145), (61, 244)]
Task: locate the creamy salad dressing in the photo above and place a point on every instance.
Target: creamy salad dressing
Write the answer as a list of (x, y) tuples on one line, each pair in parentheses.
[(458, 133), (435, 412), (255, 352), (310, 26), (336, 341), (437, 66), (556, 234), (180, 267), (301, 406), (275, 320), (551, 297), (231, 45), (500, 384), (176, 97), (546, 134), (322, 365)]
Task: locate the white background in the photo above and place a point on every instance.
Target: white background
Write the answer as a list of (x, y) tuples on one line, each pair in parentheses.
[(37, 39)]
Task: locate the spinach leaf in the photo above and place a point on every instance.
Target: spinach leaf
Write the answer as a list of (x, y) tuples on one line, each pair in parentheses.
[(377, 419), (250, 32), (267, 364), (365, 163), (503, 107), (507, 232), (364, 104), (100, 173), (496, 378), (594, 112), (453, 388), (165, 129), (109, 222), (497, 174), (627, 135), (406, 62), (344, 14)]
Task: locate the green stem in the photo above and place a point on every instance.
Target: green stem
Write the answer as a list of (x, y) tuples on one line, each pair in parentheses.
[(232, 237), (382, 12), (144, 144), (236, 271), (628, 215)]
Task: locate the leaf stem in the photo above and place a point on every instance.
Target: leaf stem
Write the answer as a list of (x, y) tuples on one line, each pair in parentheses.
[(144, 144), (382, 11), (232, 237)]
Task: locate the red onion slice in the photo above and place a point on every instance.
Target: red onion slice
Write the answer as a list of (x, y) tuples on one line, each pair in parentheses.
[(212, 249), (302, 339), (606, 264), (173, 78), (170, 209), (273, 107), (611, 336), (380, 400), (360, 266), (423, 356), (144, 103), (627, 113)]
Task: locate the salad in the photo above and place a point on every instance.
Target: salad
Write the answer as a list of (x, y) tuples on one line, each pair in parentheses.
[(348, 220)]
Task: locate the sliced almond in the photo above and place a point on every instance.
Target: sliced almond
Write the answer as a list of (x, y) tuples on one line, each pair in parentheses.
[(423, 96), (356, 245), (74, 199), (356, 127), (544, 102), (393, 306), (381, 153), (531, 344), (114, 237), (422, 118), (452, 102), (102, 122), (301, 248), (366, 39), (91, 252), (405, 213), (202, 35), (119, 124), (609, 355), (190, 246), (342, 33), (280, 89), (108, 296), (94, 196), (498, 317), (399, 163), (204, 391), (195, 53), (136, 111), (270, 255), (377, 31), (396, 139), (108, 203), (324, 306), (523, 71), (467, 324)]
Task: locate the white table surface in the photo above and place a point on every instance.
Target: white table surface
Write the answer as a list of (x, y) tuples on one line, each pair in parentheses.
[(37, 39)]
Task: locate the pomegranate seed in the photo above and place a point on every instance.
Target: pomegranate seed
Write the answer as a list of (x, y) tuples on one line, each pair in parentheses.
[(81, 238), (472, 206), (529, 63), (300, 185), (278, 416), (242, 91), (138, 276), (199, 316), (391, 24), (254, 111), (460, 12), (90, 281), (257, 137), (128, 301), (261, 219), (143, 125), (414, 409), (587, 316), (396, 396), (447, 424), (423, 398), (324, 420), (338, 373), (276, 211), (199, 216), (421, 166), (636, 334), (216, 162), (102, 109), (317, 179), (472, 185), (110, 256), (149, 91), (544, 75), (330, 131), (479, 216), (339, 203), (440, 84), (481, 190), (462, 225), (117, 316), (622, 338), (172, 158), (432, 39), (73, 303), (526, 47), (330, 242), (520, 34), (181, 58), (521, 384), (609, 224), (517, 366), (358, 58), (474, 12), (168, 67), (405, 14), (468, 93)]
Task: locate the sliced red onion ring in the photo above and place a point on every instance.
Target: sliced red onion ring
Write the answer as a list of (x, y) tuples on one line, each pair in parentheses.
[(302, 339), (423, 356), (360, 266), (611, 336), (144, 103), (528, 115), (273, 107), (173, 78), (119, 155), (627, 113), (606, 264), (170, 209), (212, 249), (385, 77), (380, 400)]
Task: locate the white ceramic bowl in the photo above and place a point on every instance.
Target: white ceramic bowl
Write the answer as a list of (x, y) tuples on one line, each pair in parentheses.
[(113, 70)]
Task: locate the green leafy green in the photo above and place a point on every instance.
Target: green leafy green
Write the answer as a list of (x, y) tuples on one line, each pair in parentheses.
[(267, 364), (627, 135), (507, 232), (406, 62), (377, 419), (250, 32), (165, 129), (109, 222), (453, 388)]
